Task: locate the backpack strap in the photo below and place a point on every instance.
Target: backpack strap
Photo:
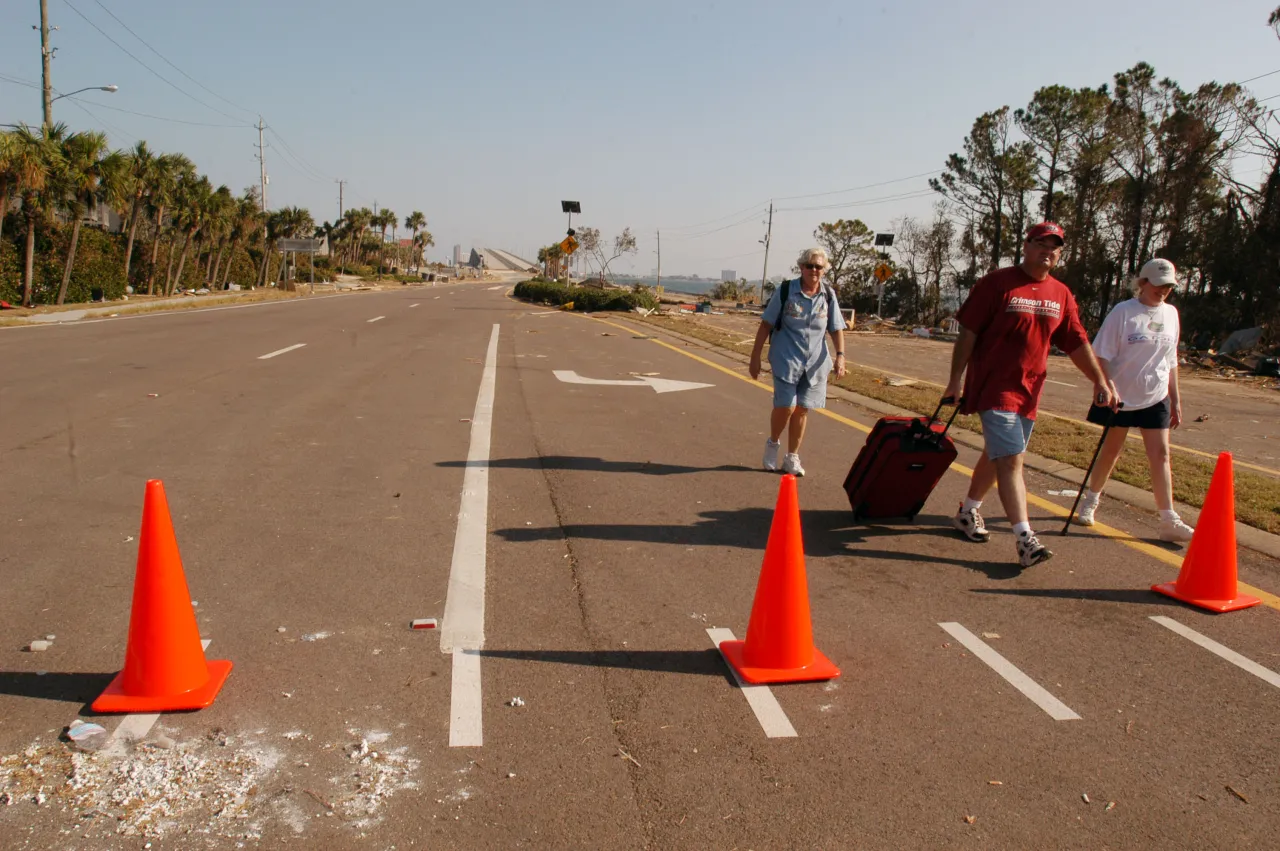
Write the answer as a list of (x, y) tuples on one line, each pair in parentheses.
[(784, 292)]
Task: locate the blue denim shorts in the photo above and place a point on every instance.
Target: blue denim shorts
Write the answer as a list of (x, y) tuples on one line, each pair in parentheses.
[(801, 394), (1005, 433)]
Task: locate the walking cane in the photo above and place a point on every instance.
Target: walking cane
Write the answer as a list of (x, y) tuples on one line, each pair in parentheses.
[(1087, 473)]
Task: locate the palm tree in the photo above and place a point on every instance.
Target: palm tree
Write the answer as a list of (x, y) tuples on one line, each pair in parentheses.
[(86, 161), (415, 221), (169, 169), (195, 201), (7, 177), (221, 217), (34, 159), (384, 220), (141, 171), (358, 221), (246, 225)]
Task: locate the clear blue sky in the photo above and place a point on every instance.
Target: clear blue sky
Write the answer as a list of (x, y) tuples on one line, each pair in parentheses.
[(484, 115)]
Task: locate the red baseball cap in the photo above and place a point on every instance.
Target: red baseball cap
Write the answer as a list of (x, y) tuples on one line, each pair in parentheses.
[(1047, 229)]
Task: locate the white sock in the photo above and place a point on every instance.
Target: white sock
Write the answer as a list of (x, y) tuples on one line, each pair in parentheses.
[(971, 504), (1168, 514), (1023, 528), (773, 442), (1092, 496)]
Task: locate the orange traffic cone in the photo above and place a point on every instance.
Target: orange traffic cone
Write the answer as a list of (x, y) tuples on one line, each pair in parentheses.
[(779, 646), (164, 664), (1208, 575)]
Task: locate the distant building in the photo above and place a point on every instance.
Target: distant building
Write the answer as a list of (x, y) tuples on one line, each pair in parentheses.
[(457, 255), (728, 274)]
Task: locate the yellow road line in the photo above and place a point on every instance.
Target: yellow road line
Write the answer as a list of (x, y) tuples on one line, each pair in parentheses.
[(1086, 423), (1123, 537)]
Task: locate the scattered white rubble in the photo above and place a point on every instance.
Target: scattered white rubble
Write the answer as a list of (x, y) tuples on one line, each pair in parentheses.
[(515, 701)]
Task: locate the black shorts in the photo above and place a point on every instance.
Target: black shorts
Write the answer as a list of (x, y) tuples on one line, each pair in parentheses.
[(1155, 416)]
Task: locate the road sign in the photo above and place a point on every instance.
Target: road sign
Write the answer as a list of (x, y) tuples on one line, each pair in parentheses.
[(569, 245), (297, 244), (883, 272)]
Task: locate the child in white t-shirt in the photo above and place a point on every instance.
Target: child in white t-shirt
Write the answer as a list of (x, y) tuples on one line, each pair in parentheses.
[(1138, 349)]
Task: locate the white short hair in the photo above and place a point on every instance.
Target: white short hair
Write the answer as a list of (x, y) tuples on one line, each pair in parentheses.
[(809, 254)]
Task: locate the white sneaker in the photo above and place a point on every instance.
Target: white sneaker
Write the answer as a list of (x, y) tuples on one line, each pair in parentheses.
[(771, 450), (1175, 530), (1088, 505), (1030, 551), (791, 464), (971, 525)]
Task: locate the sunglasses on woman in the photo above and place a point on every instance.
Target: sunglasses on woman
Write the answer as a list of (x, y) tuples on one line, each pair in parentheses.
[(814, 267)]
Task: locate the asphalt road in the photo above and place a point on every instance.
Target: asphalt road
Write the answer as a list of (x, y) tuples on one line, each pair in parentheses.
[(321, 491)]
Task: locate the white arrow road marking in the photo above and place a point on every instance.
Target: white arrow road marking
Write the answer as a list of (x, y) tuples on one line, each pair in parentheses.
[(660, 385), (498, 287)]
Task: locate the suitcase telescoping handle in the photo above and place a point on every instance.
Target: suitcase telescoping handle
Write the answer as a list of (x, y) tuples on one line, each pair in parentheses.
[(944, 401)]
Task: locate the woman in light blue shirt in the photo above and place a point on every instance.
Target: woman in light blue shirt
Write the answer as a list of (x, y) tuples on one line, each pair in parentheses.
[(796, 319)]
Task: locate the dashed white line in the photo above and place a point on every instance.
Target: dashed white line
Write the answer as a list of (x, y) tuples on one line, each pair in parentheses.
[(270, 355), (1063, 383), (1242, 662), (768, 711), (462, 631), (1034, 692), (498, 287), (375, 319), (415, 305)]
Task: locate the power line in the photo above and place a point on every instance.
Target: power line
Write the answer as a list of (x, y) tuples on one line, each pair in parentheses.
[(317, 172), (163, 118), (860, 188), (905, 196), (167, 62), (158, 75), (1259, 77), (760, 206)]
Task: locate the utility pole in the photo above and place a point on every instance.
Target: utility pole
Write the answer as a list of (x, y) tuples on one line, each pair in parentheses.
[(768, 234), (46, 56), (659, 287), (263, 160), (340, 183)]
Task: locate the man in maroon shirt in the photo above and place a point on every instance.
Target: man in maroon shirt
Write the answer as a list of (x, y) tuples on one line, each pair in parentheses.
[(1006, 326)]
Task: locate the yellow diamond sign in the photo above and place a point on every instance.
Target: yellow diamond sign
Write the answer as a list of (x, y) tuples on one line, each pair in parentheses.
[(569, 245)]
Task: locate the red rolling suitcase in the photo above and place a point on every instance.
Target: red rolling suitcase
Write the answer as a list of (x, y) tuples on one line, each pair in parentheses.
[(900, 465)]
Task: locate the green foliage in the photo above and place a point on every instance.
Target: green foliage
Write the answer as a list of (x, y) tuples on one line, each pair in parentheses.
[(99, 266), (583, 298)]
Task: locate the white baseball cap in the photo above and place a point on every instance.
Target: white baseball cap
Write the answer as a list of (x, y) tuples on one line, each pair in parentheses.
[(1160, 272)]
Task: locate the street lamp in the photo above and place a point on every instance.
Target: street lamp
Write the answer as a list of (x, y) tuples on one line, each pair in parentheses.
[(111, 88)]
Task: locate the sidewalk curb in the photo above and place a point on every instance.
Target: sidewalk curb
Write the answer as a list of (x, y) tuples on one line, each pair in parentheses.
[(1246, 536)]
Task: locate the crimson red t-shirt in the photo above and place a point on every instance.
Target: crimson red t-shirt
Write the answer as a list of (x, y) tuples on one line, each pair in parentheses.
[(1015, 318)]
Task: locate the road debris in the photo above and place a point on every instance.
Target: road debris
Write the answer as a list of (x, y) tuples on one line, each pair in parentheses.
[(39, 646), (970, 819), (622, 753), (515, 701), (316, 636), (995, 782), (423, 623), (1202, 418), (1111, 805), (86, 736), (1064, 493), (1085, 798), (1237, 794), (990, 635)]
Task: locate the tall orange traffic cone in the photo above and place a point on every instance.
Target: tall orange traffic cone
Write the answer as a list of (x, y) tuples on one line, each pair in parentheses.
[(164, 664), (779, 646), (1208, 575)]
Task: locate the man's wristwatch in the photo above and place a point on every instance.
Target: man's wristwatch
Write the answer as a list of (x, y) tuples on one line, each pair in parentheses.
[(839, 354)]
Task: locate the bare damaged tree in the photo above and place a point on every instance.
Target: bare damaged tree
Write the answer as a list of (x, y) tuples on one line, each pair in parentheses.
[(589, 241)]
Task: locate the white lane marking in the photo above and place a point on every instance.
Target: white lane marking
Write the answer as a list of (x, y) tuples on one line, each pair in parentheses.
[(463, 625), (660, 385), (768, 711), (466, 728), (375, 319), (134, 728), (1063, 383), (1057, 710), (498, 287), (187, 311), (415, 305), (1243, 662), (281, 351)]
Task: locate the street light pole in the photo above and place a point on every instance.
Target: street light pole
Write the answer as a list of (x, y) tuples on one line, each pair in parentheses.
[(111, 88)]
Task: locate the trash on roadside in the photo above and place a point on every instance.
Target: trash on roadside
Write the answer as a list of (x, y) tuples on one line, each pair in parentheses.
[(990, 635), (423, 623), (154, 395), (87, 736), (1202, 418), (970, 819), (515, 701), (921, 332), (39, 646), (900, 382), (316, 636), (1111, 805), (1064, 493), (1085, 798)]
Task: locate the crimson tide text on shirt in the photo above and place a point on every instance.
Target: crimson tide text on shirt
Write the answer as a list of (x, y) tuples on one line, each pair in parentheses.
[(1140, 345), (1015, 318)]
